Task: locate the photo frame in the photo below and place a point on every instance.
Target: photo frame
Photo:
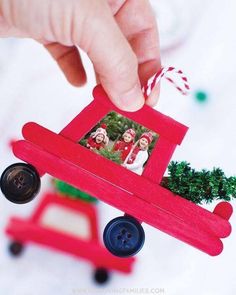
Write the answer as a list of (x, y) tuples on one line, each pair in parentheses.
[(122, 141)]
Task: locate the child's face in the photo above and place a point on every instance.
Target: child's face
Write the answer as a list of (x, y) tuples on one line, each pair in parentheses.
[(99, 138), (127, 137), (143, 143)]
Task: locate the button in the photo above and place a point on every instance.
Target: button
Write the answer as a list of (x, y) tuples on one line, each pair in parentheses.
[(124, 236), (20, 183), (101, 275)]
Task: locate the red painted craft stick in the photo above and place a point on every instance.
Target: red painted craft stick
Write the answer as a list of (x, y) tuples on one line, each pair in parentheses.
[(143, 188), (224, 210), (158, 160), (84, 121), (193, 234), (26, 231)]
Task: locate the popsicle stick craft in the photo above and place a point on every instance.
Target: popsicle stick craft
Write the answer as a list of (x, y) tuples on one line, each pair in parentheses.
[(124, 171)]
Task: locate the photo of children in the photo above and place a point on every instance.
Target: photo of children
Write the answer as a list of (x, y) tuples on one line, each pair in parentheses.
[(138, 156), (125, 144), (121, 140), (98, 139)]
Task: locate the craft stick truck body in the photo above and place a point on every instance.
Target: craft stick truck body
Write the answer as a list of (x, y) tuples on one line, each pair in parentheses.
[(142, 198)]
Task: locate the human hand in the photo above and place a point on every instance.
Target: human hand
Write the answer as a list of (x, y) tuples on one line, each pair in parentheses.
[(119, 36)]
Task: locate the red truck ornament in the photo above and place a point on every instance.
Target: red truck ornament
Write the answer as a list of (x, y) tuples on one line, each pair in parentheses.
[(140, 197)]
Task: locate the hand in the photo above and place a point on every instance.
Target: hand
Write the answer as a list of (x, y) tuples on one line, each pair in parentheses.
[(119, 36)]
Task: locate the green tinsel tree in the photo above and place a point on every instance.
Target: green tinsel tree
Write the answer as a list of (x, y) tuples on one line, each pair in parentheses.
[(72, 192), (199, 186)]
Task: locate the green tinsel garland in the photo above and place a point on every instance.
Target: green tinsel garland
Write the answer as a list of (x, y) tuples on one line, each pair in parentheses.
[(199, 186), (72, 192)]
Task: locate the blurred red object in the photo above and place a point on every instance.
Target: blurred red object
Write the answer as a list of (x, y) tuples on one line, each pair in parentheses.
[(80, 239)]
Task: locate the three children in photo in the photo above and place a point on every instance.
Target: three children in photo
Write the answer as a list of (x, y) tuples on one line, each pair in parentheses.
[(133, 154)]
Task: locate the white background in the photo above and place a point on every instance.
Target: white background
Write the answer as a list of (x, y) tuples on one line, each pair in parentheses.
[(33, 89)]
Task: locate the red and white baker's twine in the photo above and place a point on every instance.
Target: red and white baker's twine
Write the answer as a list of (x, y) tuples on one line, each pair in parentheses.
[(177, 77)]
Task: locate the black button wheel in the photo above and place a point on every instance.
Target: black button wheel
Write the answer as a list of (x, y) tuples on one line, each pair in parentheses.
[(101, 275), (123, 236), (20, 183), (16, 248)]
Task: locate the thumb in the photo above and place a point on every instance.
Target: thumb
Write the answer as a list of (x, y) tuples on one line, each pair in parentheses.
[(114, 61)]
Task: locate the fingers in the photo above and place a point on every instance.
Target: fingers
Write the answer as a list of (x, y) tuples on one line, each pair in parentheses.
[(69, 60), (90, 25), (147, 70), (140, 28), (154, 96), (97, 78), (114, 61)]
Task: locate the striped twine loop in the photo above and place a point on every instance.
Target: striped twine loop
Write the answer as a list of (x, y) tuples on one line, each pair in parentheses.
[(166, 72)]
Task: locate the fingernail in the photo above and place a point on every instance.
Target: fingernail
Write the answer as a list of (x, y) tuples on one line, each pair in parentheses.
[(131, 101)]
